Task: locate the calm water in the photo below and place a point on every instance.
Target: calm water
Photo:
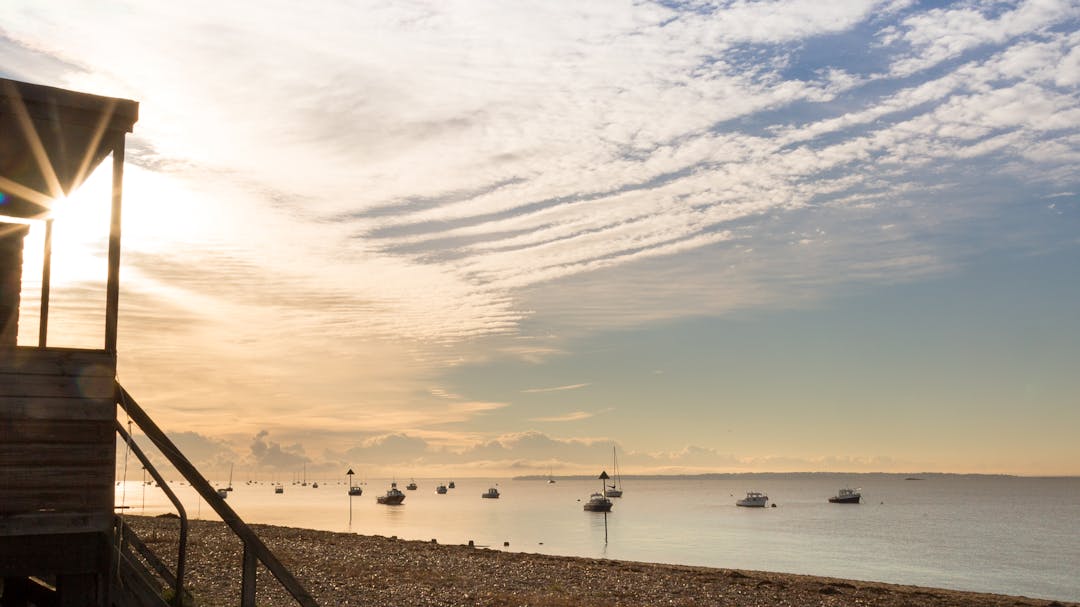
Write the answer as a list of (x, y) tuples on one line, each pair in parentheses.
[(1016, 536)]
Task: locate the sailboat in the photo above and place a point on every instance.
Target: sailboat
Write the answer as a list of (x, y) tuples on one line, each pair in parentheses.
[(224, 492), (614, 489), (551, 478)]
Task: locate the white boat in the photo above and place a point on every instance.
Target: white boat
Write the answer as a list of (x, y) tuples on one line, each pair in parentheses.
[(846, 496), (223, 493), (492, 493), (598, 503), (393, 497), (551, 478), (753, 499), (615, 488)]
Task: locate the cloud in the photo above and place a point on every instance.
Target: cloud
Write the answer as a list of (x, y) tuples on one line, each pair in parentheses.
[(572, 416), (554, 389), (940, 34), (212, 456), (270, 454), (678, 115)]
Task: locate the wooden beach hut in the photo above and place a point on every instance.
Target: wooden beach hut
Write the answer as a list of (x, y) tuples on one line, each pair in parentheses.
[(60, 540), (57, 405)]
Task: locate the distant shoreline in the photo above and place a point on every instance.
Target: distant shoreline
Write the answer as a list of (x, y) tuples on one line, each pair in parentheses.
[(740, 475), (350, 569)]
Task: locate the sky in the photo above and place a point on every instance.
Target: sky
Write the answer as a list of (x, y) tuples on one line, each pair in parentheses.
[(473, 238)]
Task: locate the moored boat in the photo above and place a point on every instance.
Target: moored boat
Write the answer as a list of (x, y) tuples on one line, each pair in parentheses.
[(598, 503), (355, 490), (753, 499), (393, 497), (411, 486), (615, 488), (441, 489), (492, 493), (279, 489), (451, 485), (846, 496), (223, 493)]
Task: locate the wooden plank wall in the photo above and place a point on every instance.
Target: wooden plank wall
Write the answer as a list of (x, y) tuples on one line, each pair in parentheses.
[(57, 440)]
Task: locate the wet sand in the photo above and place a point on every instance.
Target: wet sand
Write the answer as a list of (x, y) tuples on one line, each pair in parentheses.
[(350, 569)]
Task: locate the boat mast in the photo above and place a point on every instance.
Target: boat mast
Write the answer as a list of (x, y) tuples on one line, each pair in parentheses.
[(615, 466)]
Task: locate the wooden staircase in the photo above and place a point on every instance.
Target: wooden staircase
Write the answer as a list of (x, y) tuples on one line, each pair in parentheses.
[(60, 556)]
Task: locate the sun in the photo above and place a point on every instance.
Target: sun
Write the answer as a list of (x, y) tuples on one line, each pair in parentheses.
[(80, 235)]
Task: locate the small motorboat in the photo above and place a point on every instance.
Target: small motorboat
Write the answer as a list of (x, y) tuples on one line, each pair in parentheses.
[(355, 490), (441, 489), (393, 497), (846, 496), (598, 503), (492, 493), (753, 499), (279, 489), (451, 485), (411, 486), (315, 485), (223, 493)]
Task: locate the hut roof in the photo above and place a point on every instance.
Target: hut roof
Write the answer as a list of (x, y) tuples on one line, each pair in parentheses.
[(52, 139)]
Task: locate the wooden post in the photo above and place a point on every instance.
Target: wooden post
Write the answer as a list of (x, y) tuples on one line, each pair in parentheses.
[(112, 287), (11, 254), (603, 488), (350, 475), (247, 582), (46, 274)]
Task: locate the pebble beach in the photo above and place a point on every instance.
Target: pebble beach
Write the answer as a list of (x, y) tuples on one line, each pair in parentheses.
[(351, 569)]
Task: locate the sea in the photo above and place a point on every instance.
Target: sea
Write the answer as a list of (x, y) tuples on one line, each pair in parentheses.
[(997, 534)]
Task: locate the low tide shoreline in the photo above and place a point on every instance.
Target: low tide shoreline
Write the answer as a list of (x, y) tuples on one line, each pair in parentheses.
[(350, 569)]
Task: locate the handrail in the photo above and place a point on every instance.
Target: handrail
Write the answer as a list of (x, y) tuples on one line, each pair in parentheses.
[(253, 546), (133, 543), (181, 558)]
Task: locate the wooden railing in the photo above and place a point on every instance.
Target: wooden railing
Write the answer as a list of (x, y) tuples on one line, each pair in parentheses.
[(126, 535), (255, 551)]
